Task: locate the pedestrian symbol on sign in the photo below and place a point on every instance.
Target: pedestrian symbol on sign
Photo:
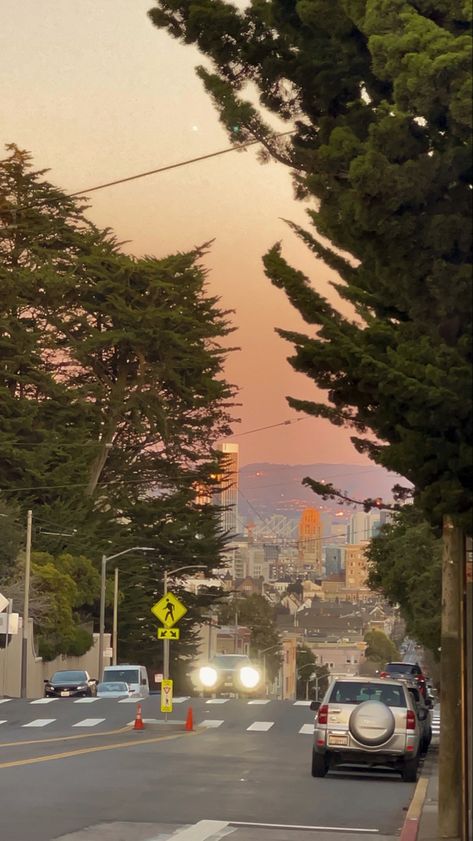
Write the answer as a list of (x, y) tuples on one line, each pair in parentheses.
[(169, 614)]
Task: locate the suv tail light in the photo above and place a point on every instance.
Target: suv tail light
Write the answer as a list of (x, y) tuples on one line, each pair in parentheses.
[(410, 720), (322, 715), (384, 674)]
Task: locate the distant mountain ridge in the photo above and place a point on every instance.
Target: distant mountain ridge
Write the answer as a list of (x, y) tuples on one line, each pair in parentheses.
[(267, 489)]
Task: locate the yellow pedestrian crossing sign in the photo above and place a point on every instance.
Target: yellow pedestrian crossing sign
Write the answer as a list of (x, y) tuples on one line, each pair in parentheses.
[(168, 633), (169, 610)]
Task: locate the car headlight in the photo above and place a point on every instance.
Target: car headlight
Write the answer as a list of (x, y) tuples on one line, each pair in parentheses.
[(82, 686), (208, 676), (249, 677)]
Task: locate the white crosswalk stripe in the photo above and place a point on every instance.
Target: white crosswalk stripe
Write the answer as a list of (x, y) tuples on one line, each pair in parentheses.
[(4, 721), (43, 701), (130, 700), (181, 700), (307, 729), (89, 722), (5, 700), (211, 722), (261, 726), (217, 701), (39, 722), (86, 700), (255, 702), (301, 704)]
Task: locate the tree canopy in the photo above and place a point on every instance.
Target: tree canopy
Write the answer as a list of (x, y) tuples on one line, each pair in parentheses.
[(112, 389), (380, 649), (405, 564), (378, 95)]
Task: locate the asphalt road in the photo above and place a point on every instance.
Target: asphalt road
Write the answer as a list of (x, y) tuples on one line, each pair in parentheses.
[(80, 774)]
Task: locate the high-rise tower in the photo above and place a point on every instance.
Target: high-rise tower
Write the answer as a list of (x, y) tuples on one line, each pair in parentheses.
[(310, 540), (227, 496)]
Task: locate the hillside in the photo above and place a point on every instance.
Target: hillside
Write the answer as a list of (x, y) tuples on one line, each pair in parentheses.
[(268, 489)]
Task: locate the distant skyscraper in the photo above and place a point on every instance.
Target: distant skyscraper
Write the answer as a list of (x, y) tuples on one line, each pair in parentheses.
[(310, 540), (362, 526), (227, 496)]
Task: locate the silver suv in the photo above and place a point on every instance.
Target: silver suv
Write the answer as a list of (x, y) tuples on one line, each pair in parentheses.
[(371, 721)]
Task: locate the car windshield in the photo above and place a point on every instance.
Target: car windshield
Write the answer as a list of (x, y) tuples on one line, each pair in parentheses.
[(115, 686), (230, 661), (66, 677), (125, 675), (345, 692)]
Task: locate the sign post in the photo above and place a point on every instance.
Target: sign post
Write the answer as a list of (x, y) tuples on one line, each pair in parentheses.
[(168, 610)]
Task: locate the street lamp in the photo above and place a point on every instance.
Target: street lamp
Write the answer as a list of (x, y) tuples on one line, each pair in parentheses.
[(263, 651), (315, 677), (105, 561)]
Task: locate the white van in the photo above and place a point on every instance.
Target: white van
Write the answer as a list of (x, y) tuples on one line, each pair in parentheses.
[(135, 676)]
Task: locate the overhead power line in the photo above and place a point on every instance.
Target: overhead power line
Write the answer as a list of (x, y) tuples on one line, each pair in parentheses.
[(169, 167), (271, 426)]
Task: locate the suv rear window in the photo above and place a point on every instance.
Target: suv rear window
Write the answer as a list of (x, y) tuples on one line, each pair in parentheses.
[(402, 669), (345, 692)]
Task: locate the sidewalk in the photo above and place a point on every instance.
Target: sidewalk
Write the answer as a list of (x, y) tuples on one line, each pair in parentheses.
[(428, 827), (422, 817)]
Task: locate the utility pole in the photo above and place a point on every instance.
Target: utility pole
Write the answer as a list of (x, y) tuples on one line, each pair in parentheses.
[(115, 619), (450, 754), (165, 642), (26, 608)]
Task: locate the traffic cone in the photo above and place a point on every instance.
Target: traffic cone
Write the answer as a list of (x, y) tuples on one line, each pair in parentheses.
[(189, 720), (138, 725)]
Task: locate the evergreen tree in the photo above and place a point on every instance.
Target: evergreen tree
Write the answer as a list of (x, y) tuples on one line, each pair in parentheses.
[(112, 392), (378, 94), (405, 564), (379, 648)]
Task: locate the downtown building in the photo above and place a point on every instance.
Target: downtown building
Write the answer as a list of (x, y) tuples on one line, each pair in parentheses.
[(226, 496)]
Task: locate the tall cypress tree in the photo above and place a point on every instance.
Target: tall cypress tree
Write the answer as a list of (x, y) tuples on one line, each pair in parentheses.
[(379, 95), (111, 381)]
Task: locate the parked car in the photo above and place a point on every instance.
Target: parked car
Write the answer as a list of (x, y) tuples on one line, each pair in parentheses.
[(425, 719), (114, 689), (368, 721), (409, 671), (228, 674), (70, 683)]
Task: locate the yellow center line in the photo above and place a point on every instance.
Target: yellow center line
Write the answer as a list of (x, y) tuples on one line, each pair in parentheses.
[(19, 743), (116, 746)]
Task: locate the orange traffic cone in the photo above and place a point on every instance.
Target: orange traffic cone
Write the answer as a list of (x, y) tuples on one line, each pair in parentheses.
[(189, 720), (138, 725)]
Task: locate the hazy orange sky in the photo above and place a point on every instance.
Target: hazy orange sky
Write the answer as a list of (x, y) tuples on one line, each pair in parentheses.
[(96, 93)]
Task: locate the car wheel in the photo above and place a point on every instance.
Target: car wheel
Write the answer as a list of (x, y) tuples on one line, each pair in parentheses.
[(409, 770), (319, 764)]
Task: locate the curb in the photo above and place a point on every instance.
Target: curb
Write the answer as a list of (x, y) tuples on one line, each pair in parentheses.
[(410, 828)]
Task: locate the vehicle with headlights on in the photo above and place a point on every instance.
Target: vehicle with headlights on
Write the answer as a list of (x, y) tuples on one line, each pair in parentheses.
[(70, 683), (228, 674)]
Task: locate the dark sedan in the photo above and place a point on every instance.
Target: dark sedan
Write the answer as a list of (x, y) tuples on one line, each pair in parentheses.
[(68, 684)]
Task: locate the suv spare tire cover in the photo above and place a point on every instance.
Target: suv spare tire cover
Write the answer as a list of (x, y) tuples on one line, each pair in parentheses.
[(372, 723)]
